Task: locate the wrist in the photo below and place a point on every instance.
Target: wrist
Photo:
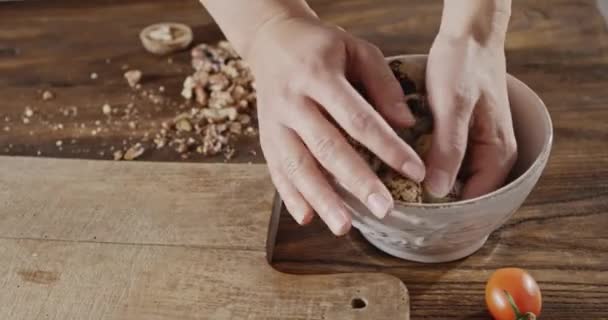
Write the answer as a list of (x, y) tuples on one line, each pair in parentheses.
[(265, 31), (242, 20), (484, 21)]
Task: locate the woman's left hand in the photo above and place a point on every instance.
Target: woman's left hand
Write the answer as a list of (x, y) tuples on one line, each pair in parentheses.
[(466, 81)]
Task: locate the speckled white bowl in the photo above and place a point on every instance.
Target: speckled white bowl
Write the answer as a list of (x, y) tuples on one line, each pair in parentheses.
[(445, 232)]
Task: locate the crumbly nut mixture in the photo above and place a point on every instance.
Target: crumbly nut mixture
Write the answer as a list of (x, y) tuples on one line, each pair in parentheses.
[(403, 189)]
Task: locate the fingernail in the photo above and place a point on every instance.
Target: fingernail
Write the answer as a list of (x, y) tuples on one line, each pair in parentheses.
[(414, 170), (379, 204), (338, 222), (299, 217), (438, 183), (306, 219), (406, 114)]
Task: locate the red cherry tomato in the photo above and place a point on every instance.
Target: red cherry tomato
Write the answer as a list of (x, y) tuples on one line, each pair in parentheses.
[(512, 294)]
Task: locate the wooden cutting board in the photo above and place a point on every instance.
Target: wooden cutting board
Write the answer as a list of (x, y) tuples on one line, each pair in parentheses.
[(86, 239)]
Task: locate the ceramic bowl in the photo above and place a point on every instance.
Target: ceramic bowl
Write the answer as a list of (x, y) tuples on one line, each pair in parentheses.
[(450, 231)]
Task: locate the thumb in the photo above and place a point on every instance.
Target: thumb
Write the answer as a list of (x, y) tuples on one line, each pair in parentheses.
[(449, 143)]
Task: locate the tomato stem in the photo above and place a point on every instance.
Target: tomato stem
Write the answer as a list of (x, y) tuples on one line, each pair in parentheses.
[(518, 315)]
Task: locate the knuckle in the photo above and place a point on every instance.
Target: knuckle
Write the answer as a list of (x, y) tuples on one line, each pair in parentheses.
[(361, 121), (456, 145), (324, 148), (510, 146), (326, 204), (293, 165), (329, 44), (375, 51), (363, 186), (510, 149), (314, 68), (464, 97)]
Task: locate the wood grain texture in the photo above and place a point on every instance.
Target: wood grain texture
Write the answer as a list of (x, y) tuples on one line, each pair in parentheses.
[(235, 200), (558, 47), (85, 239)]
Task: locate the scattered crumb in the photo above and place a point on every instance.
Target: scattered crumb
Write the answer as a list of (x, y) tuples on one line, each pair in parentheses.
[(188, 87), (28, 111), (134, 152), (106, 109), (133, 77), (118, 155), (47, 95), (219, 108)]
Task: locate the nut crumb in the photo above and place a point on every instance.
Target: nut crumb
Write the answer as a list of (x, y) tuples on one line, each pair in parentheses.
[(106, 109), (188, 87), (134, 152), (94, 76), (28, 111), (118, 155), (133, 77), (47, 95)]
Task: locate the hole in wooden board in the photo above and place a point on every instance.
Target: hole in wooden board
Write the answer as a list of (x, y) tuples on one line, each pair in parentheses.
[(358, 303)]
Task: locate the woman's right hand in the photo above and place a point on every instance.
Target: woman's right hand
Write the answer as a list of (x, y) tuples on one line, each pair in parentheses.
[(305, 71)]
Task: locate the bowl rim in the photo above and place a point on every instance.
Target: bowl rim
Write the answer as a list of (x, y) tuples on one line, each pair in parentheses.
[(542, 155)]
